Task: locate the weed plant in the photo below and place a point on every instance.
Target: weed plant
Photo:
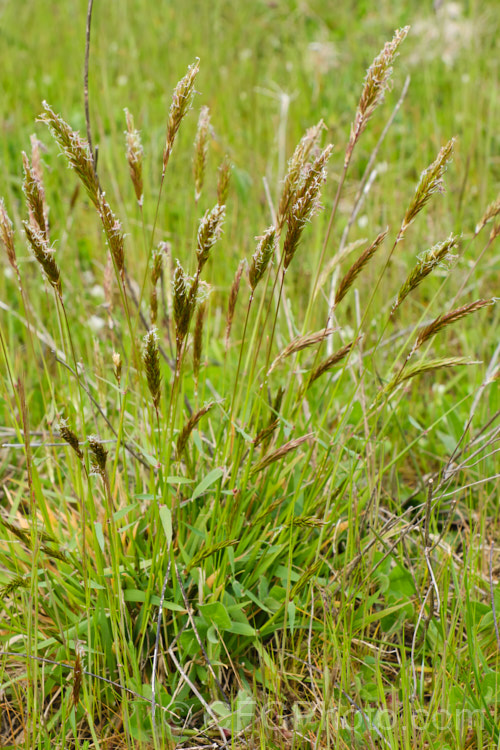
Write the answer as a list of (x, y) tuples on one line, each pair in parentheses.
[(216, 528)]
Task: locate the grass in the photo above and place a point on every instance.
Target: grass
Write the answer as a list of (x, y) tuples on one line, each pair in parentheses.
[(249, 485)]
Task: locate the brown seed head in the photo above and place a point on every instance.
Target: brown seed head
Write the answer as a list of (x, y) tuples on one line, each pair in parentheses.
[(431, 181), (223, 181), (70, 437), (7, 237), (376, 83), (209, 232), (182, 100), (262, 256), (151, 360), (134, 156), (200, 151), (44, 254), (75, 148), (99, 454)]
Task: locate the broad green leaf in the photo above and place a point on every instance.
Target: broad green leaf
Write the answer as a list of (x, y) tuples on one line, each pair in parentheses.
[(207, 482), (216, 612), (166, 522)]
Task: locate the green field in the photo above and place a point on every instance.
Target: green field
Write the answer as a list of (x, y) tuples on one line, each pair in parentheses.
[(249, 381)]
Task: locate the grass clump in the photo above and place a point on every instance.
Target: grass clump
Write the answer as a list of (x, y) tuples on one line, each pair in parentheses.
[(246, 545)]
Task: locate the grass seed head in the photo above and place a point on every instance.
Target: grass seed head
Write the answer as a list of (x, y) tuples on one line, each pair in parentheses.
[(223, 181), (209, 232), (113, 231), (189, 427), (75, 148), (491, 213), (233, 296), (70, 437), (35, 198), (151, 360), (99, 454), (449, 318), (438, 255), (198, 340), (356, 268), (7, 237), (200, 151), (296, 169), (44, 254), (431, 182), (306, 204), (135, 154), (331, 361), (117, 366), (182, 100), (262, 256), (181, 292), (377, 81)]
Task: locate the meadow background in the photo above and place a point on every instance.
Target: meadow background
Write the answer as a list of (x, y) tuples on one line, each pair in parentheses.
[(321, 597)]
